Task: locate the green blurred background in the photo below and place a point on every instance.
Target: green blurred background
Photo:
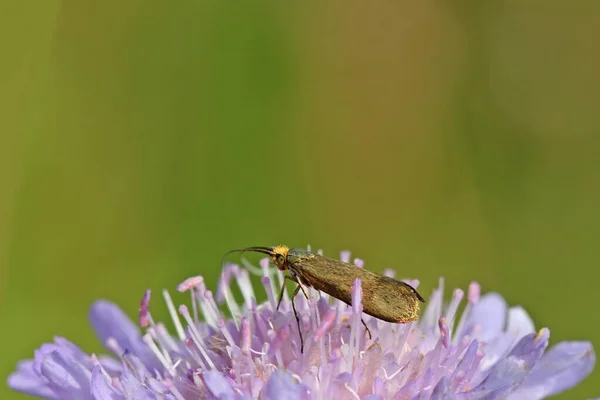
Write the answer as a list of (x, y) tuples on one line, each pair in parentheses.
[(141, 140)]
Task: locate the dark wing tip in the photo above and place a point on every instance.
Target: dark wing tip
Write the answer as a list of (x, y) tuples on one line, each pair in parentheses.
[(419, 297)]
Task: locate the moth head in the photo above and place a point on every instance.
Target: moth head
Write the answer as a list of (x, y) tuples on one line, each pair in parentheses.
[(279, 257)]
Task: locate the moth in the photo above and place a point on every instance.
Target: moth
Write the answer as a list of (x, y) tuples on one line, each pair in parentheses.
[(385, 298)]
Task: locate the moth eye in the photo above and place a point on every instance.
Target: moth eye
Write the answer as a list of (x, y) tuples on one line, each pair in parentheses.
[(280, 259)]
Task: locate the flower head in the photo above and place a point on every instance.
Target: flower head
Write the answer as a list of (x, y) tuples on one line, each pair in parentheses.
[(488, 352)]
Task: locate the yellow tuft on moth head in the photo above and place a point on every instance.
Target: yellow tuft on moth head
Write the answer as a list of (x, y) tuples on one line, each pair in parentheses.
[(279, 256)]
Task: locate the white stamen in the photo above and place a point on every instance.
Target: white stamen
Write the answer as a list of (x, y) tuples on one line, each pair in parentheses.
[(266, 281), (389, 377), (147, 338), (175, 392), (250, 267), (225, 332), (112, 344), (473, 297), (210, 301), (207, 310), (354, 394), (236, 314), (245, 286), (195, 336), (173, 314), (194, 305), (259, 353), (453, 306), (190, 349), (163, 348)]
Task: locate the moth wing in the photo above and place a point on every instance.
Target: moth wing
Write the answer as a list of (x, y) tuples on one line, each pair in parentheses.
[(383, 297)]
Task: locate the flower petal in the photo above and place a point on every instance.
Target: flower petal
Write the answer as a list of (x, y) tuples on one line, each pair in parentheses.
[(66, 377), (562, 367), (531, 347), (26, 380), (506, 374), (519, 323), (218, 385), (109, 321), (488, 315), (101, 388), (442, 390), (134, 389), (281, 386)]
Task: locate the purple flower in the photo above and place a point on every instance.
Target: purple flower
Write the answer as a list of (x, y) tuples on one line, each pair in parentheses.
[(489, 352)]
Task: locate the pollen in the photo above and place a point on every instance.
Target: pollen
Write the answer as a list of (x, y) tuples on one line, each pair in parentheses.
[(281, 249)]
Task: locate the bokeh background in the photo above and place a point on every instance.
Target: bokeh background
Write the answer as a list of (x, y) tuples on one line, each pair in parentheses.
[(141, 140)]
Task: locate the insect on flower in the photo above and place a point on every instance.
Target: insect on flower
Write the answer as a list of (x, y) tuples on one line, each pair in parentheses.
[(387, 299)]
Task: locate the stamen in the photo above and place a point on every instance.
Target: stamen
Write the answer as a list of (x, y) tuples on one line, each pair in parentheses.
[(176, 393), (444, 331), (195, 335), (352, 392), (356, 316), (473, 297), (225, 291), (210, 301), (246, 336), (433, 312), (113, 345), (147, 338), (453, 306), (264, 266), (223, 328), (266, 281), (173, 314), (154, 333), (190, 283), (207, 308), (390, 377), (326, 324), (474, 292), (345, 256), (359, 263), (243, 281), (276, 343), (143, 310), (191, 347), (251, 268)]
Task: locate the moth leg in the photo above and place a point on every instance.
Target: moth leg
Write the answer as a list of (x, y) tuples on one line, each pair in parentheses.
[(366, 327), (301, 286), (283, 289), (298, 318)]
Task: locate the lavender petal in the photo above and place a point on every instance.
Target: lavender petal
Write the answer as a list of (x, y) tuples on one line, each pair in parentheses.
[(136, 389), (26, 380), (66, 377), (218, 385), (562, 367), (442, 390), (101, 389), (507, 373), (490, 315), (281, 386), (110, 322)]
